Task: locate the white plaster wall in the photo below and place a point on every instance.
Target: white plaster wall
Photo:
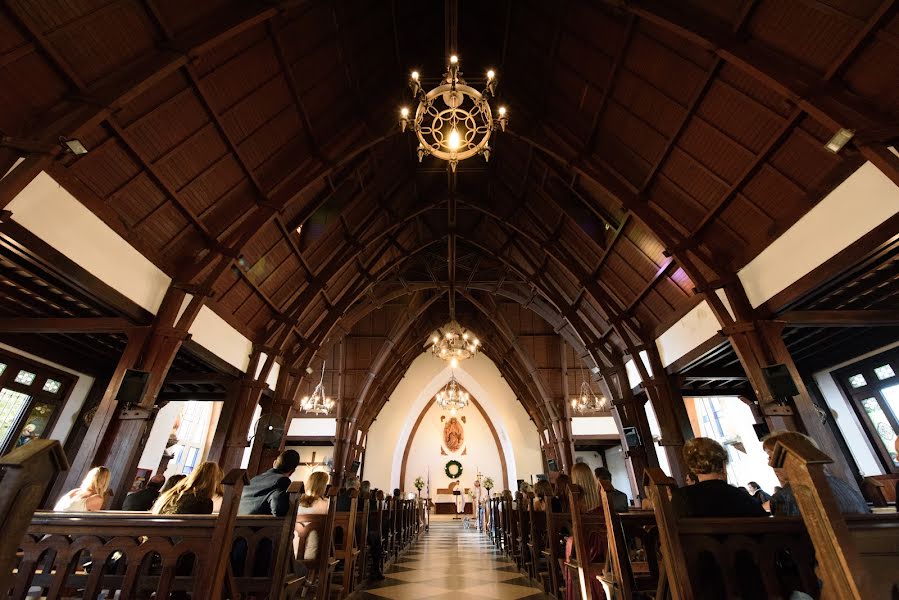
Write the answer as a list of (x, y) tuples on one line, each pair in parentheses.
[(159, 435), (76, 398), (866, 199), (589, 457), (55, 216), (616, 465), (481, 454), (304, 471), (593, 426), (863, 201), (312, 427), (426, 375), (853, 431)]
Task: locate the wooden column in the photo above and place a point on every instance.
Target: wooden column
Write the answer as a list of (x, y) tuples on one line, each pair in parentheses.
[(342, 440), (282, 406), (230, 439), (566, 439), (114, 436), (628, 411), (668, 404), (759, 343)]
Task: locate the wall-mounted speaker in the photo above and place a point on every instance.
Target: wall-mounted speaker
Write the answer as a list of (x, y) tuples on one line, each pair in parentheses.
[(553, 467), (133, 385), (632, 437), (780, 381)]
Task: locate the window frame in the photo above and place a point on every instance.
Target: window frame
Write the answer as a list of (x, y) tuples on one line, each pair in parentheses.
[(872, 389), (37, 395)]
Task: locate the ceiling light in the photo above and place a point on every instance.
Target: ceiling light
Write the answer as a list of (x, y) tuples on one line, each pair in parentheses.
[(453, 343), (75, 147), (452, 397), (318, 403), (839, 139)]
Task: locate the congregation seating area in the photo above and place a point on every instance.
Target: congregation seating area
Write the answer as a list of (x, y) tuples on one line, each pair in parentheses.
[(655, 553), (225, 555)]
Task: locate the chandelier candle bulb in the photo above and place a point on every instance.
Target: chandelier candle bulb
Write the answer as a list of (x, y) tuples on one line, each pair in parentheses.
[(454, 59)]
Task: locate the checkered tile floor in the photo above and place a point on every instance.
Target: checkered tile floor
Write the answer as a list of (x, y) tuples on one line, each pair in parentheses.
[(452, 562)]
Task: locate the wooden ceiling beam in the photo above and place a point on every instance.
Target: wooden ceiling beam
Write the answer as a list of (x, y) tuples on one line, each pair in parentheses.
[(66, 325), (287, 70), (840, 318)]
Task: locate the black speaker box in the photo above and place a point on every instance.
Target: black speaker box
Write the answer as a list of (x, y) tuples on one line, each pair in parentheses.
[(632, 437), (780, 381), (133, 385)]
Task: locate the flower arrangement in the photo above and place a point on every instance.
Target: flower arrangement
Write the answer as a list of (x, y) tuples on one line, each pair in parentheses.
[(488, 483), (419, 483)]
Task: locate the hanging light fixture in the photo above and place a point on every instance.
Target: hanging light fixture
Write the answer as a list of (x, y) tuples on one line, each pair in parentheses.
[(452, 397), (453, 343), (586, 401), (453, 121), (318, 403)]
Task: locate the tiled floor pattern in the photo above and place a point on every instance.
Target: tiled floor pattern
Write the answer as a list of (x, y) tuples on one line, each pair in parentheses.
[(452, 562)]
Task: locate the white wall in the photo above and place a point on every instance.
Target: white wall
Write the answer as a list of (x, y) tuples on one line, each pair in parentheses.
[(593, 426), (481, 454), (321, 454), (863, 201), (846, 419), (75, 401), (159, 436), (589, 457), (426, 375)]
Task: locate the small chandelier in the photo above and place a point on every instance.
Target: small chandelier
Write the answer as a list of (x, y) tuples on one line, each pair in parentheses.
[(318, 403), (586, 401), (452, 397), (454, 344), (453, 121)]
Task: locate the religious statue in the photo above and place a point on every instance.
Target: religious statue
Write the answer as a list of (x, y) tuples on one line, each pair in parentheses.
[(453, 435)]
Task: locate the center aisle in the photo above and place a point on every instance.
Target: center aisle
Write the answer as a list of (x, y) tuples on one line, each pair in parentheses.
[(450, 562)]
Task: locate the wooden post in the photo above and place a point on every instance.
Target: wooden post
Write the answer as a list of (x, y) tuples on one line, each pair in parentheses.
[(281, 406), (26, 473), (674, 423), (759, 344)]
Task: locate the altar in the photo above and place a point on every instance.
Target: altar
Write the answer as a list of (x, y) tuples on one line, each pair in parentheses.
[(445, 502)]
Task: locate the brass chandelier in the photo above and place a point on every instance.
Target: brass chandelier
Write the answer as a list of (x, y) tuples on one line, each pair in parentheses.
[(453, 121), (453, 343), (586, 401), (452, 397), (318, 403)]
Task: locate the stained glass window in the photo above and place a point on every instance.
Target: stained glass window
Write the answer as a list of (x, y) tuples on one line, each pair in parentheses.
[(52, 386), (884, 372), (858, 381), (2, 368), (881, 425), (25, 377), (11, 406)]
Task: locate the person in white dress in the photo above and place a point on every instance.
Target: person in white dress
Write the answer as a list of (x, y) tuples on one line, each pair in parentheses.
[(89, 496), (478, 501)]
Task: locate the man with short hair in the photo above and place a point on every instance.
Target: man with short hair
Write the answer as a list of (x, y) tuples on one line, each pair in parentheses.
[(617, 497), (266, 494), (144, 499)]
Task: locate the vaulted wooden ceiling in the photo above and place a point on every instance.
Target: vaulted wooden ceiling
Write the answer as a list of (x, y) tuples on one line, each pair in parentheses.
[(655, 147)]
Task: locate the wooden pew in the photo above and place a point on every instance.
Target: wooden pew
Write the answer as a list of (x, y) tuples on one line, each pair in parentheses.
[(362, 529), (590, 545), (558, 525), (754, 557), (539, 571), (523, 537), (132, 553), (858, 555), (629, 534), (344, 546), (262, 553), (494, 528), (26, 473)]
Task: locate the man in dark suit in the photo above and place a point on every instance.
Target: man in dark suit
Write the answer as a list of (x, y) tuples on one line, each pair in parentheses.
[(266, 494), (618, 498), (144, 499)]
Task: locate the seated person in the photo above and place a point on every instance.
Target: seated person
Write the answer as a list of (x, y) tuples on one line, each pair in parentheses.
[(143, 500), (712, 496), (618, 498), (583, 477), (543, 489), (266, 494), (756, 491), (313, 502), (192, 495), (89, 496), (560, 500), (783, 503)]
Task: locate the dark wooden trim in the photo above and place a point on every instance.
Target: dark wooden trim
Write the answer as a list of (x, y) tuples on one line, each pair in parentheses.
[(696, 353), (65, 325), (213, 360), (840, 318)]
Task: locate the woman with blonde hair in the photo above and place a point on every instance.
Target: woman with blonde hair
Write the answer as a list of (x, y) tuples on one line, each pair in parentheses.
[(89, 496), (582, 475), (313, 502), (192, 495)]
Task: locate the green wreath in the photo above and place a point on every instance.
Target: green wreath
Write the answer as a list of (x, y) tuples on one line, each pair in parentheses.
[(453, 469)]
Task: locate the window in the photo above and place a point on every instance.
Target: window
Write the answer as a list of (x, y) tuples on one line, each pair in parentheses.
[(873, 391), (52, 386), (25, 378), (12, 404), (191, 430), (2, 368)]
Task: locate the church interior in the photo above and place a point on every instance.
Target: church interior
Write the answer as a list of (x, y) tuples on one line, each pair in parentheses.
[(518, 299)]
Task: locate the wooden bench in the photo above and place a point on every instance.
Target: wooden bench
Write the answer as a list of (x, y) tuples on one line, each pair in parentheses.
[(65, 554), (523, 532), (631, 568), (362, 530), (345, 547), (558, 526), (262, 554), (858, 555), (538, 570), (321, 567), (26, 474), (880, 490)]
